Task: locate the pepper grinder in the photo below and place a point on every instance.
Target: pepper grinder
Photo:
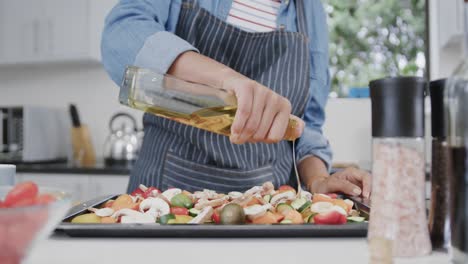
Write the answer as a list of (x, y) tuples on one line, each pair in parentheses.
[(439, 214)]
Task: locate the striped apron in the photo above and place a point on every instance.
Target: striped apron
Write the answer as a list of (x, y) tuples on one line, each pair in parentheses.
[(176, 155)]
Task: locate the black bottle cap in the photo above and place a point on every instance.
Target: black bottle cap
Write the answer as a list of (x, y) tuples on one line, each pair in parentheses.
[(436, 89), (398, 107)]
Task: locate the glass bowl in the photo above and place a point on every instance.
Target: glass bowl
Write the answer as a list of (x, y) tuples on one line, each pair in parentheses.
[(23, 227)]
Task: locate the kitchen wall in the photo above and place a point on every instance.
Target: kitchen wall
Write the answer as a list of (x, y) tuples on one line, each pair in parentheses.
[(57, 85), (87, 85)]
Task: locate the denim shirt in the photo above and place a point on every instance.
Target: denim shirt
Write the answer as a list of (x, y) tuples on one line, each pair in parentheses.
[(140, 32)]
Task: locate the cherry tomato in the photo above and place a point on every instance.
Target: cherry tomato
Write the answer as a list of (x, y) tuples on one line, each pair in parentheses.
[(330, 218), (149, 192), (22, 191), (285, 188), (44, 199), (179, 211), (24, 202), (137, 192), (216, 218)]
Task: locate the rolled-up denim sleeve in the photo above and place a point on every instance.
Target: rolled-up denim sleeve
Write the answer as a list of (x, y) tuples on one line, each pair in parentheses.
[(135, 34), (312, 141)]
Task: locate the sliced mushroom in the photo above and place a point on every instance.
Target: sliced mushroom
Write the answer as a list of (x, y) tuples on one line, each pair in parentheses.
[(206, 194), (103, 212), (260, 199), (282, 197), (155, 206), (321, 207), (131, 216), (235, 195), (213, 203), (256, 210), (171, 193), (268, 188), (203, 216), (243, 200), (254, 190), (339, 209)]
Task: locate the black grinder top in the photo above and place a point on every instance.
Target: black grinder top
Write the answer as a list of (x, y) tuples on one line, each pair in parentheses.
[(438, 126), (398, 107)]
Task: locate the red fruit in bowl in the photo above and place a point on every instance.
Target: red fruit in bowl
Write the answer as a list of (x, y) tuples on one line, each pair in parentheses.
[(24, 202), (44, 199), (22, 191)]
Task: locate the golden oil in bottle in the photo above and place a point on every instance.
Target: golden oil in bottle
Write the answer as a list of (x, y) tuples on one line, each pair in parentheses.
[(205, 107)]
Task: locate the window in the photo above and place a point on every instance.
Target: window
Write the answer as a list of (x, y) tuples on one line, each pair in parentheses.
[(371, 39)]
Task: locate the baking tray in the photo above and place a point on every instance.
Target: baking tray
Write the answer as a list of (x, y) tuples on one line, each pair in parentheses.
[(201, 231), (212, 231)]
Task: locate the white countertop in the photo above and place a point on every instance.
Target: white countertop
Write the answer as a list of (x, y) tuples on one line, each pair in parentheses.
[(62, 249)]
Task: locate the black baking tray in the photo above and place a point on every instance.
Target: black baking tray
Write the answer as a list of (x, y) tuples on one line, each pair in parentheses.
[(212, 231), (201, 231)]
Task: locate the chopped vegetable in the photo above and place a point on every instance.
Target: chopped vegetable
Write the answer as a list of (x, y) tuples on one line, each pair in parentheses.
[(150, 192), (319, 197), (163, 220), (305, 206), (232, 214), (216, 218), (283, 207), (321, 207), (268, 218), (298, 203), (285, 188), (194, 212), (330, 218), (179, 211), (258, 205), (181, 200), (356, 219), (180, 219)]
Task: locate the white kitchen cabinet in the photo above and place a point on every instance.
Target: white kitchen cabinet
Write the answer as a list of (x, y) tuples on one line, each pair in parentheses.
[(20, 29), (51, 30)]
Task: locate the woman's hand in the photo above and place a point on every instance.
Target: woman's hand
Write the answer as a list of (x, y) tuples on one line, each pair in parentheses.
[(262, 115), (350, 181)]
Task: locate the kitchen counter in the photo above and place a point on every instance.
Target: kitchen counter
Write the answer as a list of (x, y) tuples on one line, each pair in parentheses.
[(65, 168), (62, 249)]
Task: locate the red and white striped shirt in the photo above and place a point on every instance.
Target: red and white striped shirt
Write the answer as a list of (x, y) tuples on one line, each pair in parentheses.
[(254, 15)]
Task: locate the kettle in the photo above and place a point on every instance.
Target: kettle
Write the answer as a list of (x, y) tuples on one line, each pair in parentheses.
[(123, 144)]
